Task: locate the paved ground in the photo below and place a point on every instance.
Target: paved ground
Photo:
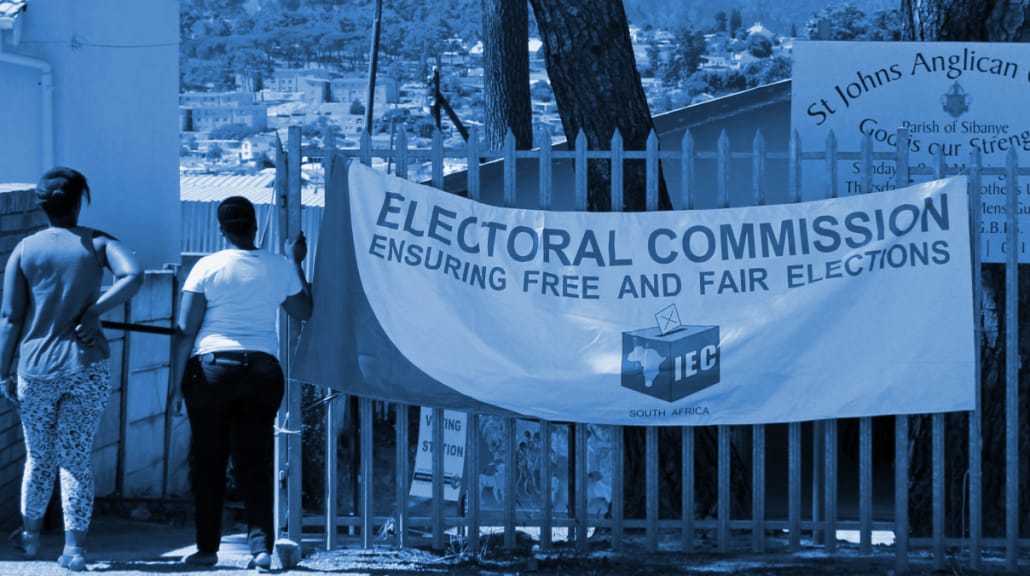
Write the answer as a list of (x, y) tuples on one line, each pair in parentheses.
[(123, 547)]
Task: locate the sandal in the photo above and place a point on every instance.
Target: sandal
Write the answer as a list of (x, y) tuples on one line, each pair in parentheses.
[(25, 542), (73, 558)]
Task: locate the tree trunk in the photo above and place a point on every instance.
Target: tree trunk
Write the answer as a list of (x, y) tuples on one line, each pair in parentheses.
[(961, 20), (506, 72), (984, 21), (597, 89)]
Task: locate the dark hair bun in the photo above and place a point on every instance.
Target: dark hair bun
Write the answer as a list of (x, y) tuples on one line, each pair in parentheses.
[(60, 190)]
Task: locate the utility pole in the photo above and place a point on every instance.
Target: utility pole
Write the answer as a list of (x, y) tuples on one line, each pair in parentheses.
[(373, 64)]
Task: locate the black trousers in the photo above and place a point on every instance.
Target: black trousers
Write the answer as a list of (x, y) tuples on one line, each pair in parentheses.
[(231, 400)]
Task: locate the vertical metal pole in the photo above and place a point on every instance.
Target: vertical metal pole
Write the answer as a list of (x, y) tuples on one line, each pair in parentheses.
[(831, 486), (901, 421), (510, 178), (472, 479), (651, 486), (901, 493), (723, 489), (331, 475), (291, 414), (581, 480), (865, 484), (1012, 364), (937, 478), (373, 64), (366, 457), (580, 179), (546, 476), (975, 440), (438, 478), (618, 486), (403, 473), (651, 172), (510, 488), (818, 475), (722, 170), (545, 170), (616, 200), (687, 433), (473, 163), (865, 425), (758, 488), (687, 169), (794, 484)]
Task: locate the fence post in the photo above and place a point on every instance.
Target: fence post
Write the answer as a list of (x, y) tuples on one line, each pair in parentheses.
[(1012, 363), (366, 458), (546, 474), (401, 171), (509, 474), (901, 493), (722, 174), (403, 473), (509, 169), (582, 463), (472, 476), (473, 163), (580, 184), (687, 169), (438, 476), (975, 439), (651, 486), (617, 171), (687, 480), (723, 488), (545, 171), (651, 164)]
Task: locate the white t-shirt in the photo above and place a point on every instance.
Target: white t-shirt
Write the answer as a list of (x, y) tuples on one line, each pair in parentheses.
[(243, 289)]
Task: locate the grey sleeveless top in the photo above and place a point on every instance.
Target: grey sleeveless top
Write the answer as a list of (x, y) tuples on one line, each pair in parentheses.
[(64, 273)]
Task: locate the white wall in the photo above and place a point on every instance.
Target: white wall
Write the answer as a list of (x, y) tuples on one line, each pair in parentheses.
[(115, 99)]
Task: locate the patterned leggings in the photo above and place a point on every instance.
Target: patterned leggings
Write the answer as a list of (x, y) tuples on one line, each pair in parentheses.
[(60, 418)]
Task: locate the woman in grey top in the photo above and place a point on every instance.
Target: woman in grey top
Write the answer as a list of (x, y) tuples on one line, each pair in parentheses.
[(51, 318)]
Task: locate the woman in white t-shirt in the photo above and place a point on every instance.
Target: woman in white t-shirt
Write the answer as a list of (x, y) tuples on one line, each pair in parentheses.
[(232, 383)]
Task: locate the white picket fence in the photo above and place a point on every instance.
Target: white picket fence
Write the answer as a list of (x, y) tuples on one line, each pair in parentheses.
[(820, 455)]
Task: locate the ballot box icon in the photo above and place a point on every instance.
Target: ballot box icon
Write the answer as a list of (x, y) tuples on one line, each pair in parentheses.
[(673, 364)]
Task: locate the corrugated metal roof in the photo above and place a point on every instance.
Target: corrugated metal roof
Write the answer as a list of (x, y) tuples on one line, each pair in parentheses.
[(9, 12), (258, 188), (15, 186)]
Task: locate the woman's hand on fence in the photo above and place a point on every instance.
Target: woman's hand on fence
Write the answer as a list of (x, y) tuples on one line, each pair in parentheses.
[(297, 249)]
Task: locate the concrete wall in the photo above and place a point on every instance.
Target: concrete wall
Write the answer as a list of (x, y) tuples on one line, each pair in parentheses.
[(136, 433), (115, 112), (18, 218)]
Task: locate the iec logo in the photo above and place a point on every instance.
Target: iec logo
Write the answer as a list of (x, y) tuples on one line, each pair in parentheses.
[(670, 360)]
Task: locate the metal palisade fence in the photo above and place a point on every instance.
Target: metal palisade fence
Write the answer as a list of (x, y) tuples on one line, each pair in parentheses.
[(820, 490)]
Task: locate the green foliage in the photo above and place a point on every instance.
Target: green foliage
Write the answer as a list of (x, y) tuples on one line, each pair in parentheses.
[(357, 107), (232, 132), (736, 20), (759, 46), (720, 21), (848, 22), (215, 152)]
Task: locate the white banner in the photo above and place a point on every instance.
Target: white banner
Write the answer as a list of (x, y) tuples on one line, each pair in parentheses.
[(856, 306), (953, 97)]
